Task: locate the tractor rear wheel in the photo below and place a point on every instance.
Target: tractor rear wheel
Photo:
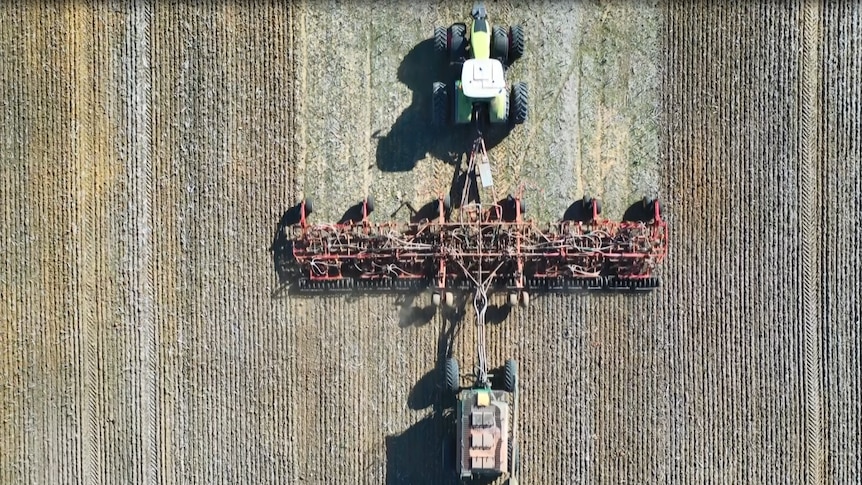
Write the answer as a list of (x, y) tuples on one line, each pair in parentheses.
[(510, 375), (520, 101), (453, 376), (516, 43), (439, 105), (441, 41), (500, 44), (457, 43)]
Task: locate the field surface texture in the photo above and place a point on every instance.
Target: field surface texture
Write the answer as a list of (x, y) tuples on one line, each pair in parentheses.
[(149, 149)]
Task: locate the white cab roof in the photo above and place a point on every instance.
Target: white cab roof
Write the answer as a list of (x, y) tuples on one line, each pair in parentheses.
[(483, 78)]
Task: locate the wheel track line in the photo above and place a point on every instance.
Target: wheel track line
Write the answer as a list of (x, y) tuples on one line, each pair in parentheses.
[(142, 173), (87, 252), (811, 221)]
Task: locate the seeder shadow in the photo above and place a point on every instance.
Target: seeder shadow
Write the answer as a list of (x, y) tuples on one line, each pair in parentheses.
[(411, 313), (638, 212), (282, 249), (412, 137), (353, 214)]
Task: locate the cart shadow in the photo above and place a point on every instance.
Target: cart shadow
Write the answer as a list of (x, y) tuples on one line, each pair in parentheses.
[(411, 138), (416, 455)]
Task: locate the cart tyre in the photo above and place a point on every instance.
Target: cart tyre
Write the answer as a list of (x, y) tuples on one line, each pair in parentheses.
[(453, 375), (510, 375)]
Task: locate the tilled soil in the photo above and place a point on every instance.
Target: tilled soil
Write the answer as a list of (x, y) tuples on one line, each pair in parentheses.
[(149, 150)]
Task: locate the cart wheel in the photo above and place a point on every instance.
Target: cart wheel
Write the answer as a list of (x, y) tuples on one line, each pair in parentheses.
[(449, 297), (435, 299), (510, 375), (525, 299), (513, 299), (309, 207), (369, 204), (453, 375)]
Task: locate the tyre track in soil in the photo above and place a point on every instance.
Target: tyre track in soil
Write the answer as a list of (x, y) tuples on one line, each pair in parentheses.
[(811, 213), (736, 410), (40, 277), (355, 364), (225, 172), (842, 155)]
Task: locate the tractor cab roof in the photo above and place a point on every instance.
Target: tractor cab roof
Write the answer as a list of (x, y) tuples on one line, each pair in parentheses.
[(483, 78)]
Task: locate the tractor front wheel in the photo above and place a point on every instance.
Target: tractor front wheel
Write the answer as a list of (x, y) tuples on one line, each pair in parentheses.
[(520, 102), (440, 105), (457, 42), (500, 44)]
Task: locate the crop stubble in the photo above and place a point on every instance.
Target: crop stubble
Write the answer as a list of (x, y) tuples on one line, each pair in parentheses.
[(143, 169)]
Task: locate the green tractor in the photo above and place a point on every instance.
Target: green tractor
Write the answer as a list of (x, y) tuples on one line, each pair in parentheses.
[(481, 93), (486, 443)]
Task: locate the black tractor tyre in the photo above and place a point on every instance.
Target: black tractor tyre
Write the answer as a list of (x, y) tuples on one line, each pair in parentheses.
[(516, 43), (453, 376), (457, 42), (500, 44), (439, 105), (510, 375), (441, 40), (520, 103)]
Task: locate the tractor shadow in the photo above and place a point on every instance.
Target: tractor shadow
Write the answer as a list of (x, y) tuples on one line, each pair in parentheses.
[(411, 138)]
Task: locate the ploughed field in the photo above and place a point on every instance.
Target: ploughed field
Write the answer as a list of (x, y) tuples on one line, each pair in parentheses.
[(149, 151)]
